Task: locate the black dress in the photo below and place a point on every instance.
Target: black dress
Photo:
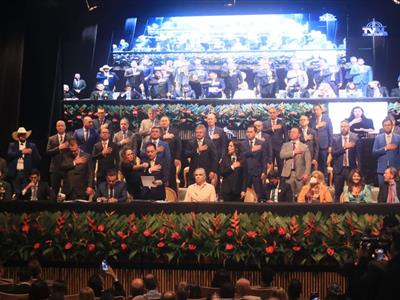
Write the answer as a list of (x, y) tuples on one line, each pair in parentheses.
[(366, 124)]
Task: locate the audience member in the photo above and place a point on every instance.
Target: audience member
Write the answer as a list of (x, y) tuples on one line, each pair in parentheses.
[(356, 190), (194, 291), (220, 277), (86, 136), (35, 268), (267, 276), (39, 290), (112, 190), (278, 294), (137, 287), (200, 191), (151, 286), (315, 191), (168, 295), (335, 292), (277, 190), (227, 291), (96, 283), (182, 290), (389, 189), (23, 157), (5, 189), (295, 289), (242, 290), (37, 189), (58, 290), (86, 293)]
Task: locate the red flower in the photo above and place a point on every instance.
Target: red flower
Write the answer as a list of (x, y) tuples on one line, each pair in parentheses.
[(25, 228), (192, 247), (281, 231), (100, 228), (251, 234), (36, 246), (91, 247), (269, 249), (175, 235), (162, 230), (229, 232), (330, 251), (68, 246), (124, 246), (121, 234), (229, 247), (296, 248), (271, 229), (57, 231), (189, 228), (160, 245), (147, 233), (134, 229), (307, 231), (341, 232)]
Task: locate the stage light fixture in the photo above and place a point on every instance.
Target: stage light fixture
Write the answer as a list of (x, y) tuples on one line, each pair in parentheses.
[(91, 5), (396, 2), (230, 3)]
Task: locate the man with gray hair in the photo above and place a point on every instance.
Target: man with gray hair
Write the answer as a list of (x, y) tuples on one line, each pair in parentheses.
[(202, 154), (78, 85), (200, 191)]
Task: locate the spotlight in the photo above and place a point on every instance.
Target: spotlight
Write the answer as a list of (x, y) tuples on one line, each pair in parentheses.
[(232, 3), (396, 2), (91, 5)]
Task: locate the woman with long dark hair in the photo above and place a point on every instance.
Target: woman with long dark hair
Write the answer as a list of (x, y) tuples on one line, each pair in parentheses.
[(356, 190), (359, 123), (233, 173), (132, 169)]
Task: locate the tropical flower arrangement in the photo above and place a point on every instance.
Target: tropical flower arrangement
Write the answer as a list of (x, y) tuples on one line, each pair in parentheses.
[(187, 116), (255, 238)]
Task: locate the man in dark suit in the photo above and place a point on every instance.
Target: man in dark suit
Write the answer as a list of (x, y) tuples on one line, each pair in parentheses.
[(202, 154), (309, 137), (86, 136), (171, 136), (112, 190), (56, 145), (323, 125), (101, 94), (217, 135), (277, 190), (389, 189), (158, 167), (125, 137), (23, 156), (79, 172), (105, 154), (344, 153), (37, 189), (395, 128), (78, 85), (5, 189), (255, 161), (101, 120), (387, 149), (277, 130), (162, 147)]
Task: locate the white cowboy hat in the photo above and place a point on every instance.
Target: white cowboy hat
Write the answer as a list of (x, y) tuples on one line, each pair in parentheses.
[(105, 67), (21, 130)]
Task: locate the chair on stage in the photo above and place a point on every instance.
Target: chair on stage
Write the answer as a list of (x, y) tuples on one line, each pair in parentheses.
[(5, 296), (170, 195), (250, 195), (206, 291), (71, 297)]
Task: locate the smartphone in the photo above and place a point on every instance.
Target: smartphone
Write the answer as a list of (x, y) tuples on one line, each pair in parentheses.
[(314, 296), (379, 254), (104, 265)]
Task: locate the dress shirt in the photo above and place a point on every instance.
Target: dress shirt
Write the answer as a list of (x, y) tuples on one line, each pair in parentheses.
[(200, 193), (388, 138), (345, 140), (20, 162)]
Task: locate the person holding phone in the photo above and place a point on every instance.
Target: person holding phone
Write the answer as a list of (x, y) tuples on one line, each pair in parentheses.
[(96, 282)]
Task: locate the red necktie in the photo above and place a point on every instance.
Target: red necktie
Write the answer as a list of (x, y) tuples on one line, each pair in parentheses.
[(390, 194)]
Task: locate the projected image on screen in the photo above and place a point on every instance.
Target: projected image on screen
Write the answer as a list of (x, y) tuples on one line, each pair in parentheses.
[(374, 113), (214, 38)]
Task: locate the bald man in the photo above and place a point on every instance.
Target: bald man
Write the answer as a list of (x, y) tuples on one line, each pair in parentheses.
[(242, 290), (56, 145), (137, 287), (86, 136)]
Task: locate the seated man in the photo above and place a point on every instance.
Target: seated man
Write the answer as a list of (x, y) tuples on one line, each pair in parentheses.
[(200, 190), (37, 189), (137, 287), (277, 190), (242, 289), (100, 93), (5, 189), (389, 190), (112, 190), (151, 286)]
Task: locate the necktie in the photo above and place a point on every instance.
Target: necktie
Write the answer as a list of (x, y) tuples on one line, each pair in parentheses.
[(346, 153), (210, 132), (199, 143), (86, 135), (111, 192), (124, 134), (60, 139), (34, 193), (390, 193), (294, 148)]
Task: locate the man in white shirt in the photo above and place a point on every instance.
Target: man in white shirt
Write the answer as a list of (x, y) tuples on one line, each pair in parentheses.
[(200, 191)]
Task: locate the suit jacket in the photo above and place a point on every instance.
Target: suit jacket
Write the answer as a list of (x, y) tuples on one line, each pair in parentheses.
[(175, 144), (384, 189), (233, 181), (166, 154), (105, 95), (386, 158), (119, 191), (79, 84), (97, 125), (395, 92), (220, 143), (285, 193), (382, 89), (4, 185), (119, 136), (279, 136), (325, 134), (268, 147), (105, 163), (312, 145), (361, 77), (302, 162), (255, 161), (30, 160), (79, 177), (338, 153), (86, 146), (157, 193), (206, 159), (145, 127), (54, 153), (44, 192), (112, 79)]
